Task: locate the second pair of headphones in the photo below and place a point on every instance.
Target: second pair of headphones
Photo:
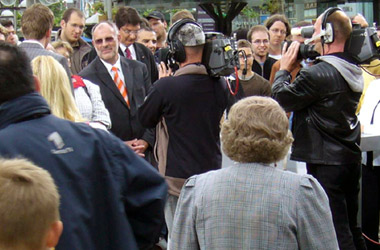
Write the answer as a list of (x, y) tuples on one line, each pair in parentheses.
[(327, 28), (176, 47)]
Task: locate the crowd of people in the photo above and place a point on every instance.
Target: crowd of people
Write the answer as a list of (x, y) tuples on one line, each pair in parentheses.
[(118, 144)]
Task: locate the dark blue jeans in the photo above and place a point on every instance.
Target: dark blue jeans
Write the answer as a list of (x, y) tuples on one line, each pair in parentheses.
[(341, 183)]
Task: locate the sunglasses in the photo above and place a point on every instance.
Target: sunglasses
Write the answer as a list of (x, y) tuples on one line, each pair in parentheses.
[(107, 40)]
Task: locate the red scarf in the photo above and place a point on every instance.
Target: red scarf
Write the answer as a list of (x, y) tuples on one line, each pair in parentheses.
[(77, 81)]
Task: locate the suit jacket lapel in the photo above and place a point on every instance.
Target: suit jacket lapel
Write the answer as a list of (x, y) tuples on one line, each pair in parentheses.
[(128, 73), (106, 80), (138, 52), (121, 53)]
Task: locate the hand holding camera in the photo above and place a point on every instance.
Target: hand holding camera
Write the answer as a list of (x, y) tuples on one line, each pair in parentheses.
[(289, 56)]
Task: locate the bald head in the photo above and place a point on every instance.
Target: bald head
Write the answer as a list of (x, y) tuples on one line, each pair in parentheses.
[(341, 23), (106, 41)]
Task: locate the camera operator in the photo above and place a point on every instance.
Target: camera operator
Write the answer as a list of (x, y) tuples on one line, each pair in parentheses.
[(326, 130), (187, 108)]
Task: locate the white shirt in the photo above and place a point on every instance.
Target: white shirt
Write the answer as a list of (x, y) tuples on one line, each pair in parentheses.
[(117, 65), (371, 100), (131, 49), (277, 57), (91, 105)]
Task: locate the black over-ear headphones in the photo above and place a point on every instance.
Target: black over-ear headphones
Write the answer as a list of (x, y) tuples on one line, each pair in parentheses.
[(328, 28), (176, 47)]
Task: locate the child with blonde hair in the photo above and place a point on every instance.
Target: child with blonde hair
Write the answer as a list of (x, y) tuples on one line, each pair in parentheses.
[(29, 207)]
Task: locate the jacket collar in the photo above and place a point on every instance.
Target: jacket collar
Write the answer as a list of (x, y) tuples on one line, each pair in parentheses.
[(80, 43), (22, 108), (192, 69)]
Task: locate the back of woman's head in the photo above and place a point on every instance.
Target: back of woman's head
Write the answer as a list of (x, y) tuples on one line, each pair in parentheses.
[(55, 87), (257, 130)]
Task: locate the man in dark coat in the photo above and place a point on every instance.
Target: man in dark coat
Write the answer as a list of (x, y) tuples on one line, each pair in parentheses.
[(110, 197), (324, 98), (128, 21), (135, 81)]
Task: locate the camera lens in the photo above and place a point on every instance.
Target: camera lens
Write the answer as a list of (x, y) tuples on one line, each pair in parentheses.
[(304, 52)]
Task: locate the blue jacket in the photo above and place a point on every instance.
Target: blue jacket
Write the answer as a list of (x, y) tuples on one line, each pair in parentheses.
[(110, 197)]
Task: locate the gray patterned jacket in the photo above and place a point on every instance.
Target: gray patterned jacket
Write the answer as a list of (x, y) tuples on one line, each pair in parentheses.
[(253, 206)]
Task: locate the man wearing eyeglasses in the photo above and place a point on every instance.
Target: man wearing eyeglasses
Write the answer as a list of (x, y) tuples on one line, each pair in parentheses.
[(258, 35), (250, 83), (128, 21), (72, 26), (123, 84)]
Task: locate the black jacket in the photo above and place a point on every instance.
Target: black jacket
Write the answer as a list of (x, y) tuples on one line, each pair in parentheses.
[(125, 124), (265, 71), (192, 105), (324, 98)]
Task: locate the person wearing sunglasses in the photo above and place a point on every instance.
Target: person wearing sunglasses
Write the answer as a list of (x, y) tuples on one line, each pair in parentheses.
[(123, 85)]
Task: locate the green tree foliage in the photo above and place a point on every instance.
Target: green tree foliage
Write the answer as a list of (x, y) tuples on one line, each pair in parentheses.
[(58, 9), (273, 6), (249, 12), (97, 7)]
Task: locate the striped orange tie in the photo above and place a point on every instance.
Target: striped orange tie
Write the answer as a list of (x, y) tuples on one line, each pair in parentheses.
[(120, 85)]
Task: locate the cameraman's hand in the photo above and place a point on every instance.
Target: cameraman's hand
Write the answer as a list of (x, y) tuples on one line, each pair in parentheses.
[(164, 70), (289, 56)]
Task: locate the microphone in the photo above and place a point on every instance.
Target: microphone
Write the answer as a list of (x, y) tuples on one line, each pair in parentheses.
[(305, 31), (307, 41)]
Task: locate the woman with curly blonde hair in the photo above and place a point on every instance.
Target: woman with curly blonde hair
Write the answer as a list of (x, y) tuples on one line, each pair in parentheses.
[(262, 137), (55, 88), (252, 204)]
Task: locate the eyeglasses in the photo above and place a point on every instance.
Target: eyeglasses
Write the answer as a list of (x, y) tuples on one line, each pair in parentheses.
[(107, 40), (130, 32), (258, 42), (282, 32), (247, 56)]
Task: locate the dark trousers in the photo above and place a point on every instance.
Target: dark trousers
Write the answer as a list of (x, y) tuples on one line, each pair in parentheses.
[(341, 183), (371, 204)]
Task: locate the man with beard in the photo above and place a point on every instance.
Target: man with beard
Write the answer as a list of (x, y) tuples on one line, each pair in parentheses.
[(258, 35)]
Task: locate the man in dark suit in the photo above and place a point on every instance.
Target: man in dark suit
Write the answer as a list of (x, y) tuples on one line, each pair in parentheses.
[(41, 17), (121, 98), (128, 21)]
